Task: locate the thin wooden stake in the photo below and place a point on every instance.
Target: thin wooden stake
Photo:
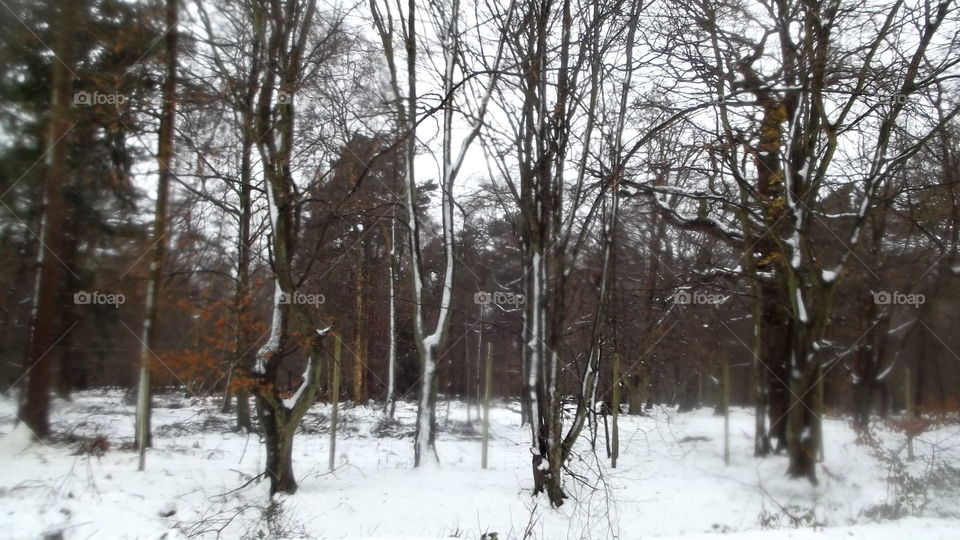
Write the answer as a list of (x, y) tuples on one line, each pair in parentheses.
[(820, 412), (488, 377), (726, 411), (908, 396), (615, 429), (335, 403)]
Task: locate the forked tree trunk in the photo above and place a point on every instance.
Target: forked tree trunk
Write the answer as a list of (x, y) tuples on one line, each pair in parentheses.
[(548, 476), (430, 343), (280, 417), (284, 49)]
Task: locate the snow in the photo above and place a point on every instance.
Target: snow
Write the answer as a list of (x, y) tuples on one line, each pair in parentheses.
[(16, 441), (886, 372), (272, 344), (534, 351), (291, 401), (794, 243), (805, 169), (670, 481), (801, 308)]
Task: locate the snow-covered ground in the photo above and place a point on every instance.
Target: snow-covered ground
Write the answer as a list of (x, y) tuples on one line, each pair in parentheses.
[(671, 480)]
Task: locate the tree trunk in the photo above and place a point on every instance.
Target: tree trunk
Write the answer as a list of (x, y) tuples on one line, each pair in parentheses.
[(359, 345), (725, 401), (390, 404), (278, 437), (637, 386), (776, 330), (818, 419), (164, 159), (760, 385), (861, 405), (615, 412), (334, 405), (44, 320), (72, 366), (687, 400), (774, 336), (243, 410), (548, 479), (274, 123), (761, 436), (488, 377), (801, 435), (918, 395), (242, 300), (526, 410), (908, 400), (429, 343), (227, 394), (425, 433)]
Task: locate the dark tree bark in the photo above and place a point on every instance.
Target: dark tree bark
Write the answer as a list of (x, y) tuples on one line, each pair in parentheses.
[(242, 344), (283, 32), (44, 320), (278, 438)]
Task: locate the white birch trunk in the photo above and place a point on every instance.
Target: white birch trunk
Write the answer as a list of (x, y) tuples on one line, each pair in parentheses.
[(392, 358)]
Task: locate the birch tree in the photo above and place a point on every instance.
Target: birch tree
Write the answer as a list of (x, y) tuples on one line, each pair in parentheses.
[(390, 399), (445, 22), (158, 241)]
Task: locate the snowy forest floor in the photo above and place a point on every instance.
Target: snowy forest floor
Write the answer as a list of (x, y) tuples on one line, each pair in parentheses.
[(671, 480)]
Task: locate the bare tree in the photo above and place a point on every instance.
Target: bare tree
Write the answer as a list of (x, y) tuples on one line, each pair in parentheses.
[(284, 30), (446, 22), (808, 108), (158, 241)]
